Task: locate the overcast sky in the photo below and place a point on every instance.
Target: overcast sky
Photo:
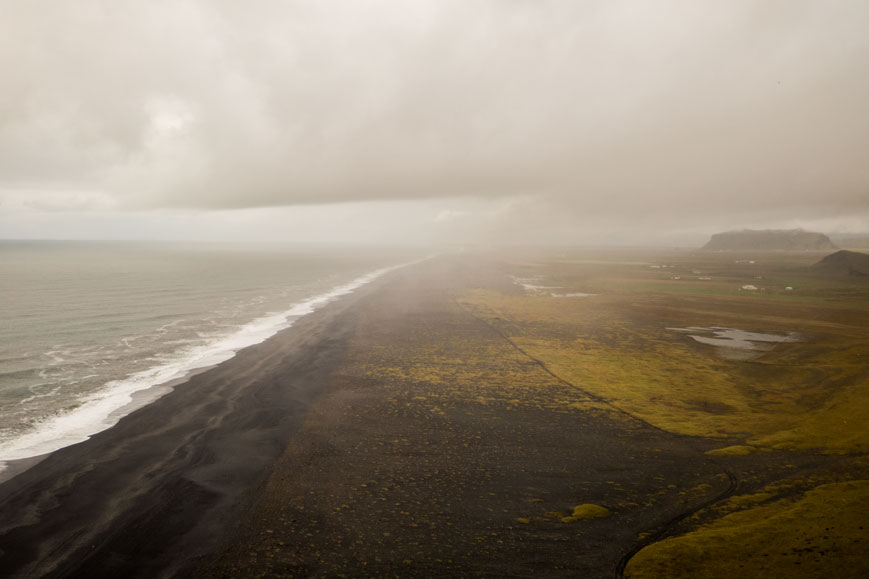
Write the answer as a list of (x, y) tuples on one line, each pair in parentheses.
[(413, 121)]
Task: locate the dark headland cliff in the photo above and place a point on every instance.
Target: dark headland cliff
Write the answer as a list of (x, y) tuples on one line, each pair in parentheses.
[(769, 239)]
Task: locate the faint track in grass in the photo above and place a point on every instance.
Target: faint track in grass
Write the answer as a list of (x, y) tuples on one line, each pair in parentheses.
[(545, 368), (665, 528)]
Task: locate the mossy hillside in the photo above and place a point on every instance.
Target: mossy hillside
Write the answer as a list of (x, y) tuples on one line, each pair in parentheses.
[(619, 347), (840, 426), (820, 534)]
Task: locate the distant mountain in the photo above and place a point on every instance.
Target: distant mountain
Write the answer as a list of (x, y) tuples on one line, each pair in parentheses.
[(769, 239), (844, 263), (853, 240)]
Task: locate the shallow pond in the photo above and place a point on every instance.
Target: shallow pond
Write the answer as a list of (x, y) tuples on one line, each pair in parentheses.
[(734, 343)]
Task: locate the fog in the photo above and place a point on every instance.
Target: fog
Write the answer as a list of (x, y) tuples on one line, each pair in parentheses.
[(599, 122)]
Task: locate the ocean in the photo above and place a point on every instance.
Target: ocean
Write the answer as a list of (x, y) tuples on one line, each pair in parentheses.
[(90, 331)]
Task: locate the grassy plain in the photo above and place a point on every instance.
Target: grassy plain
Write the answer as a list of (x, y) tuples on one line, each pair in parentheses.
[(621, 348)]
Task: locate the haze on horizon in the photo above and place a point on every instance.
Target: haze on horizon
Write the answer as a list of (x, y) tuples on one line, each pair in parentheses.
[(604, 122)]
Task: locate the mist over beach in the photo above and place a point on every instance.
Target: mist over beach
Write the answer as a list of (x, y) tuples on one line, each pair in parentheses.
[(95, 329), (434, 289)]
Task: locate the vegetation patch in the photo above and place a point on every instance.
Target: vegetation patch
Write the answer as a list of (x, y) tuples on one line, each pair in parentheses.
[(821, 534), (616, 348), (737, 450), (586, 511)]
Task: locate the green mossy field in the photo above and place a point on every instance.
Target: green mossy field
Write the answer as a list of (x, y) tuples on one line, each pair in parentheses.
[(823, 533), (621, 348)]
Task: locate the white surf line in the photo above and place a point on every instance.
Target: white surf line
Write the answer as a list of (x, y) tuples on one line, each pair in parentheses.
[(101, 410)]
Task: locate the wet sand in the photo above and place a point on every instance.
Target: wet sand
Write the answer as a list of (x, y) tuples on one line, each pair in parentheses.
[(297, 458), (159, 490)]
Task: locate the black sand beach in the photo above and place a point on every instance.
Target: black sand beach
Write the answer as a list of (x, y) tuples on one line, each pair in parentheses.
[(161, 488), (316, 454)]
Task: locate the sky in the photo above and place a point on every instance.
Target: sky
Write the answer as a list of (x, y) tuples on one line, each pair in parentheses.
[(598, 122)]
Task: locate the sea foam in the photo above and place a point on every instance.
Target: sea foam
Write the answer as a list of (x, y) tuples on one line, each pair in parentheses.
[(103, 409)]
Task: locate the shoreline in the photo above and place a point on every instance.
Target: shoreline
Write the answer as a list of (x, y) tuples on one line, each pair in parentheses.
[(140, 399), (75, 430), (397, 432), (155, 491)]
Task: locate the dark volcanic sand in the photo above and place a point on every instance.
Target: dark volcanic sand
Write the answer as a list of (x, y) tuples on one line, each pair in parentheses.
[(292, 460), (160, 488)]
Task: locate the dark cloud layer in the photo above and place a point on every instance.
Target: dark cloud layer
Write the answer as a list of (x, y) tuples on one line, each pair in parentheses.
[(621, 110)]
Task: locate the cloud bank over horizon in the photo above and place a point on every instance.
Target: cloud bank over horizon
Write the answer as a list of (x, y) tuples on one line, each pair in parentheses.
[(493, 116)]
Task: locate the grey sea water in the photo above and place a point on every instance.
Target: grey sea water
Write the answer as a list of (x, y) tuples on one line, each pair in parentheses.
[(90, 331)]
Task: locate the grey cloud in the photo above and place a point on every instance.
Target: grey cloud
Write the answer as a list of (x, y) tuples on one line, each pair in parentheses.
[(628, 109)]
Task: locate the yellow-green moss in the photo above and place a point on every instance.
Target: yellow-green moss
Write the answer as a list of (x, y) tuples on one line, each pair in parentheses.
[(586, 511), (821, 534), (738, 450), (617, 346), (839, 426)]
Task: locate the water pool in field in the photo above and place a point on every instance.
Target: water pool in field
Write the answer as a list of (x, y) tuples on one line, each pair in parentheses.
[(735, 343)]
